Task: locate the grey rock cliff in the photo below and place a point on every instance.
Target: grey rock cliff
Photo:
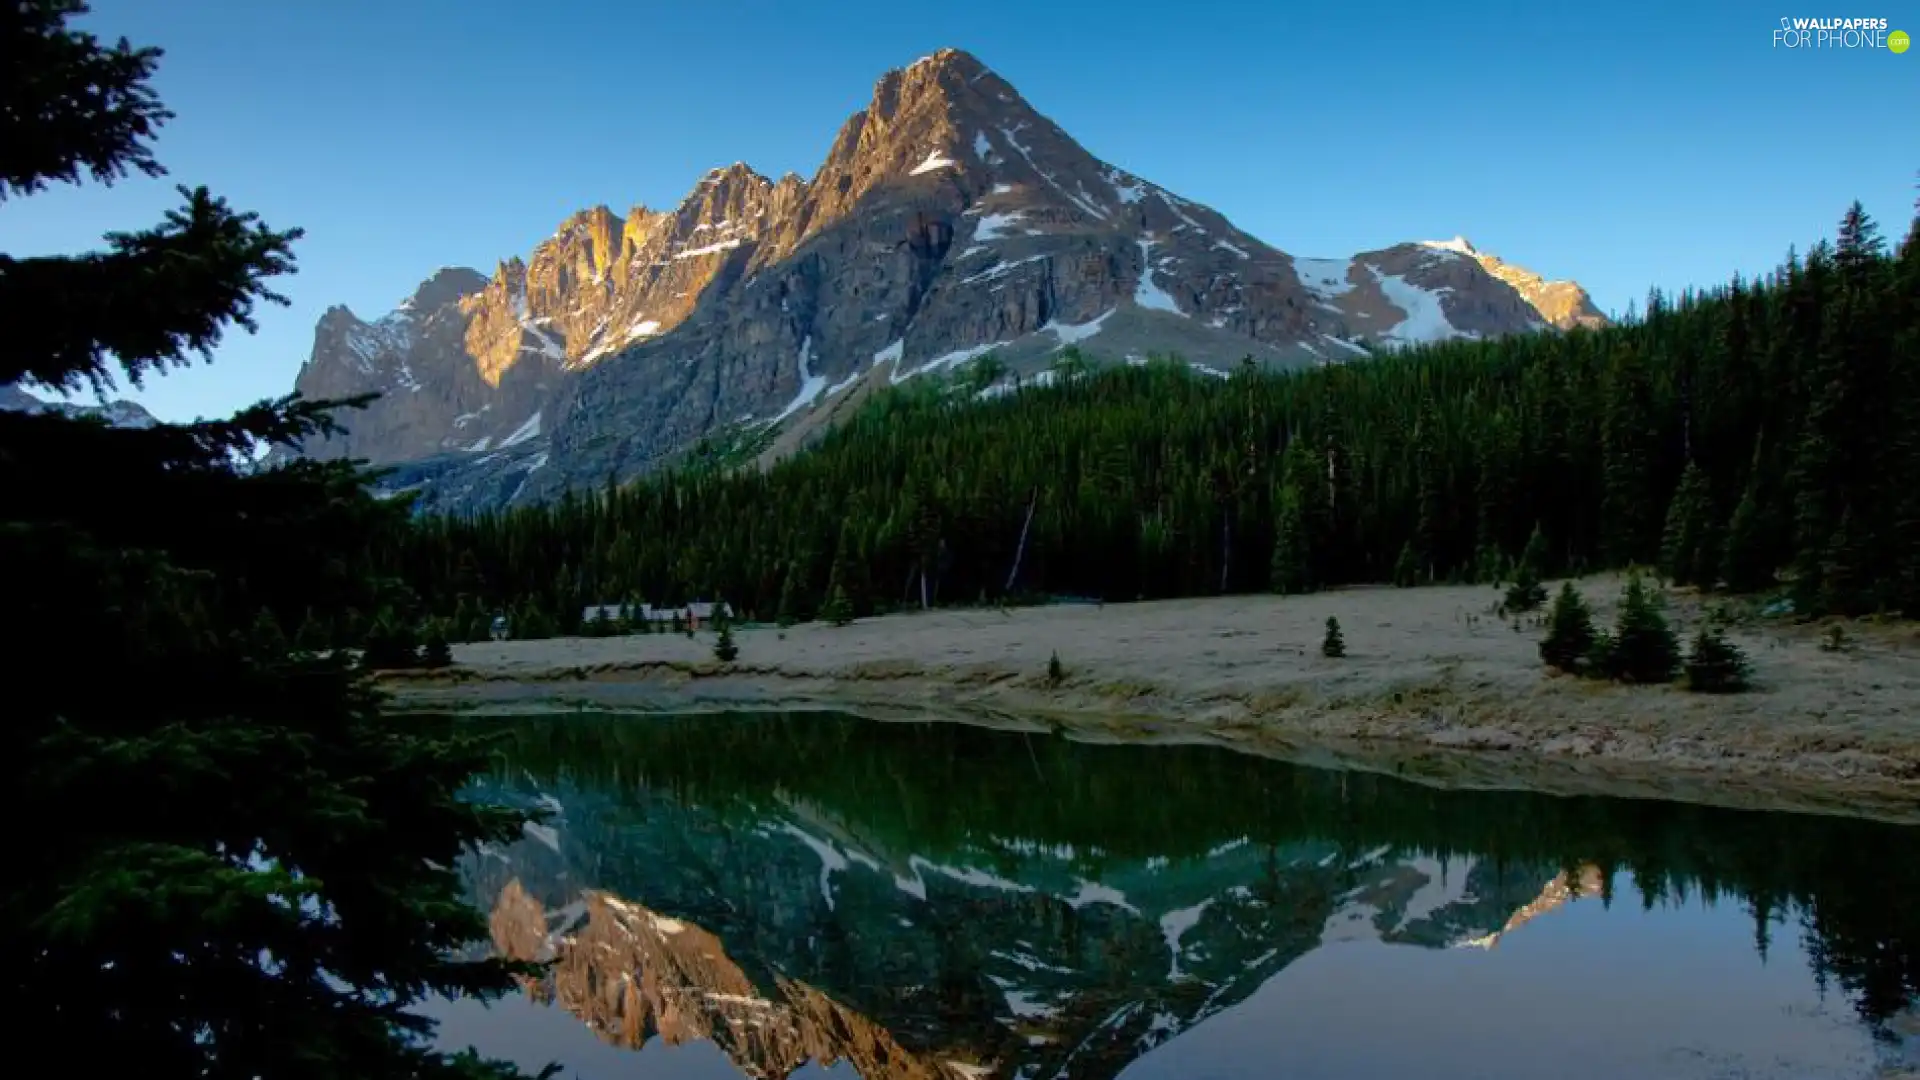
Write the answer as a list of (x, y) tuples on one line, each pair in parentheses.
[(949, 219)]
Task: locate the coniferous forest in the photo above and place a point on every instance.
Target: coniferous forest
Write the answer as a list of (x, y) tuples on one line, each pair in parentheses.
[(1759, 436)]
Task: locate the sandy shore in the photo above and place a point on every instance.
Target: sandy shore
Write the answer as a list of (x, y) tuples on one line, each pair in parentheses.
[(1434, 687)]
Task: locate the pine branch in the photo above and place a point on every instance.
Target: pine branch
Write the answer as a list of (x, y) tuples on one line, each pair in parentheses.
[(151, 300), (68, 105)]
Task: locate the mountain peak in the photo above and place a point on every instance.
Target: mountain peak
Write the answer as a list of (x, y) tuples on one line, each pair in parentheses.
[(950, 218), (1459, 243), (446, 286), (940, 61)]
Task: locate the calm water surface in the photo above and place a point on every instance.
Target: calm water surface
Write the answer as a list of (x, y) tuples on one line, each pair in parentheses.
[(777, 896)]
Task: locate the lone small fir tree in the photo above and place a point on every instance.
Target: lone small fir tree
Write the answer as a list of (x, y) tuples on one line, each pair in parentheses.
[(1642, 648), (1569, 631), (839, 610), (1406, 568), (1333, 645), (1527, 593), (1055, 672), (434, 651), (1716, 665), (390, 643), (724, 650)]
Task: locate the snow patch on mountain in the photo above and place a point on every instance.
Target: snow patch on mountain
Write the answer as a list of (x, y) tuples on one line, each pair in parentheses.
[(1426, 320), (1003, 267), (1074, 333), (992, 227), (1080, 200), (1345, 344), (1126, 188), (947, 361), (528, 430), (1093, 892), (1174, 926), (1174, 204), (1324, 278), (831, 860), (811, 385), (1146, 293), (935, 160), (709, 249), (368, 342), (1458, 245)]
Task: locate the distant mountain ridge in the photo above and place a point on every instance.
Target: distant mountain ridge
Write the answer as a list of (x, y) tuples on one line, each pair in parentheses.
[(950, 219), (117, 413)]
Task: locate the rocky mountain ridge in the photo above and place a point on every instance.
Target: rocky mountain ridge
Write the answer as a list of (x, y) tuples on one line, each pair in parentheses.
[(120, 413), (950, 219)]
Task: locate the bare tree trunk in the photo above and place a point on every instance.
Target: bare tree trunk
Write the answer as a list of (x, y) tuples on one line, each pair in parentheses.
[(923, 588), (1021, 552), (1226, 549)]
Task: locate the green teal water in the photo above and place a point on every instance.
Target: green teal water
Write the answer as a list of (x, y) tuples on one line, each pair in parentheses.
[(804, 895)]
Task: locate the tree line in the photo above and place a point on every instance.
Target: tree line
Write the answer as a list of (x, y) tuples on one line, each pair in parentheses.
[(1759, 435)]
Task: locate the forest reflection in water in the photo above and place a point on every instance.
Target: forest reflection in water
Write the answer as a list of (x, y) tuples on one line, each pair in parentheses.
[(907, 900)]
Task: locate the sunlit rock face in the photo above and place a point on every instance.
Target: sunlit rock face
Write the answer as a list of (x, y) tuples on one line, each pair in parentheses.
[(950, 219)]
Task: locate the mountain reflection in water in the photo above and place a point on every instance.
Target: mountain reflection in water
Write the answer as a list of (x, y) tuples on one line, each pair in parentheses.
[(937, 901)]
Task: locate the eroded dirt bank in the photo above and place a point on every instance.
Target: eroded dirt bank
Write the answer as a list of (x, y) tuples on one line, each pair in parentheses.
[(1434, 686)]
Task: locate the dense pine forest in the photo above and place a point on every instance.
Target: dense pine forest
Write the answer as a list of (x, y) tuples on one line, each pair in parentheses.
[(1758, 436)]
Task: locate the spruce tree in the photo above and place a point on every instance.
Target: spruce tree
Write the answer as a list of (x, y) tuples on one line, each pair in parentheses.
[(792, 604), (1536, 556), (1642, 648), (435, 652), (390, 643), (1426, 551), (1744, 563), (311, 637), (1291, 571), (1527, 593), (724, 649), (1715, 665), (1333, 645), (838, 610), (1496, 494), (1629, 442), (1406, 568), (256, 876), (1689, 553), (266, 636), (1569, 631)]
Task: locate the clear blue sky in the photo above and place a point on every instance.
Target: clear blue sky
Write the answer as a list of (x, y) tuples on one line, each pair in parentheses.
[(1625, 146)]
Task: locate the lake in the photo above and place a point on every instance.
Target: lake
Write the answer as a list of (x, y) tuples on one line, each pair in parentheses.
[(816, 895)]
